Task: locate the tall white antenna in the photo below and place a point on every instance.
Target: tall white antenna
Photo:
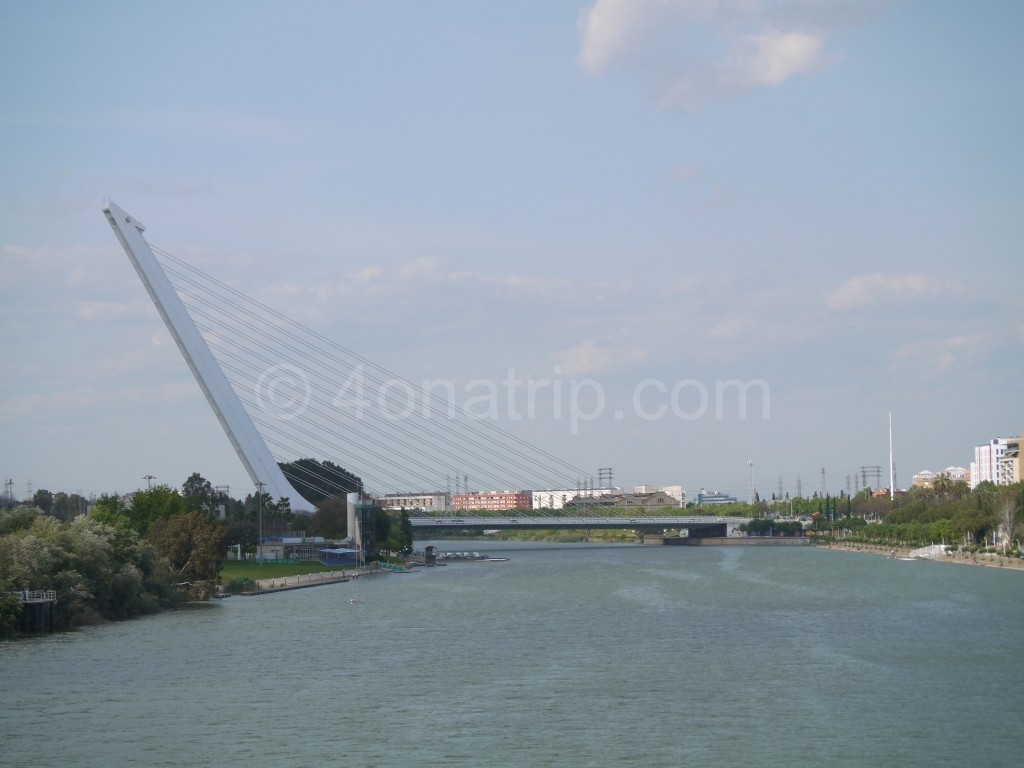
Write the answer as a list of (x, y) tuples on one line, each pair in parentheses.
[(892, 480)]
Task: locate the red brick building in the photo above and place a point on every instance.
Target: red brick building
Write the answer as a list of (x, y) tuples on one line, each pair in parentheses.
[(493, 501)]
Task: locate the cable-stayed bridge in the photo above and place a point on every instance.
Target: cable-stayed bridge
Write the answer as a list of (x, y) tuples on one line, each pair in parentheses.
[(283, 391)]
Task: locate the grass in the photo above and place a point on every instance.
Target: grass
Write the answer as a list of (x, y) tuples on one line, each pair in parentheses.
[(237, 569)]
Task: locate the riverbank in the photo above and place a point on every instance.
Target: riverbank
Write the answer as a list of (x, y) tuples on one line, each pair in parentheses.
[(987, 559)]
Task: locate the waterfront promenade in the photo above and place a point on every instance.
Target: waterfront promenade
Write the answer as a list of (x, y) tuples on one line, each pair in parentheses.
[(987, 559), (306, 580)]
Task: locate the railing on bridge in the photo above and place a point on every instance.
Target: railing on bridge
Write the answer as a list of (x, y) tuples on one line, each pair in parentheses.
[(529, 519)]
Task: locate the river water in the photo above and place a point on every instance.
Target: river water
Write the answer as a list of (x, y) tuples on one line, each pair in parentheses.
[(566, 655)]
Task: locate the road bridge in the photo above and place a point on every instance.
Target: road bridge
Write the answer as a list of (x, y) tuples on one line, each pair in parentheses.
[(697, 526)]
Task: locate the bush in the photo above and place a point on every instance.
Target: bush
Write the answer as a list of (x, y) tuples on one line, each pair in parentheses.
[(240, 584)]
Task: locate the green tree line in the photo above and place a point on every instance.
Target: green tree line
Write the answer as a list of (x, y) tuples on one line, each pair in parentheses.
[(947, 513), (137, 553)]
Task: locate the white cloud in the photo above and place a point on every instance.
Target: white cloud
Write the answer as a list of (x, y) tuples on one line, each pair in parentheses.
[(612, 28), (923, 357), (693, 51), (870, 290), (366, 274), (773, 58), (683, 172), (590, 357)]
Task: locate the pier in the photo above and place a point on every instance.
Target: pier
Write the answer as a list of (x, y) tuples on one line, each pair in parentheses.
[(37, 610)]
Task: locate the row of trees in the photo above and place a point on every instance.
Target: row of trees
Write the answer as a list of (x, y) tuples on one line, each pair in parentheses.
[(944, 514), (762, 526), (100, 571), (131, 554)]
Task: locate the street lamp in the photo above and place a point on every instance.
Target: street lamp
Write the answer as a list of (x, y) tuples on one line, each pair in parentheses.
[(259, 503)]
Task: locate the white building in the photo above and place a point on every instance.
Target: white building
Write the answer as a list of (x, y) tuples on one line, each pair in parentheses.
[(432, 501), (923, 479), (1009, 462), (556, 498), (987, 464), (676, 492)]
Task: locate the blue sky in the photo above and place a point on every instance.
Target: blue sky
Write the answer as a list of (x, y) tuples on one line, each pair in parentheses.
[(824, 197)]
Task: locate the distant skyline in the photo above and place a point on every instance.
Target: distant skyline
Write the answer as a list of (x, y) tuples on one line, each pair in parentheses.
[(820, 200)]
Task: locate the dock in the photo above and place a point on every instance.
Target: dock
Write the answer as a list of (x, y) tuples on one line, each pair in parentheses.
[(37, 610)]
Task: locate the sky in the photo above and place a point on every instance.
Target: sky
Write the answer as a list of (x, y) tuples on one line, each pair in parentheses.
[(642, 200)]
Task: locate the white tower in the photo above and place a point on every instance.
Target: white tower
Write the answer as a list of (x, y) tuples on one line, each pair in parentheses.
[(246, 440)]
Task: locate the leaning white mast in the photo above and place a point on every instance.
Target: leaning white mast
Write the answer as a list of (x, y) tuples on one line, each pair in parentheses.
[(892, 467), (250, 447)]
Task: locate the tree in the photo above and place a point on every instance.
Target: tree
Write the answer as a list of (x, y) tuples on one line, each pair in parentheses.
[(43, 499), (16, 519), (1009, 520), (111, 509), (77, 505), (194, 548), (241, 532), (198, 493), (158, 502), (99, 571), (331, 518), (317, 480), (60, 505)]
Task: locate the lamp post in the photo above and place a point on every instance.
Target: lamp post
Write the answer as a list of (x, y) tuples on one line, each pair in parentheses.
[(259, 542), (750, 465)]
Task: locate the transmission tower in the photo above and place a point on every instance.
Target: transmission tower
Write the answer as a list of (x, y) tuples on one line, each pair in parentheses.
[(875, 471), (604, 477)]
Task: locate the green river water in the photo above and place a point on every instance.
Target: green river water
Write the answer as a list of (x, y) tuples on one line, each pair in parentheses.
[(565, 655)]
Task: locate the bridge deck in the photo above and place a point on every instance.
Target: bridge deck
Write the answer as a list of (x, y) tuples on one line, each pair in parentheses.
[(552, 522)]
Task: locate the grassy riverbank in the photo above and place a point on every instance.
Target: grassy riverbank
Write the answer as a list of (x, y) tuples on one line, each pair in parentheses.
[(249, 569)]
